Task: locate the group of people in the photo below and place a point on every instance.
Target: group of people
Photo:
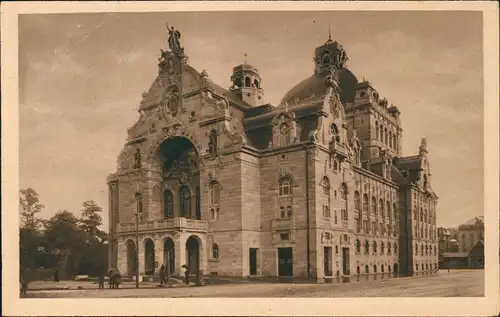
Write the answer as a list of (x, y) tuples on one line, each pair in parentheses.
[(164, 274)]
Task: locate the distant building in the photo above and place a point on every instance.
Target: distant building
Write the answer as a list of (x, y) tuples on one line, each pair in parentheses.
[(470, 233), (474, 259), (315, 187), (444, 238)]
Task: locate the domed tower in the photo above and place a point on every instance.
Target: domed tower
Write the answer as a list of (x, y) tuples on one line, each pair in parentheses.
[(247, 84)]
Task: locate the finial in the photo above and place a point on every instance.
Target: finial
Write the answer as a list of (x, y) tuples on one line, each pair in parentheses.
[(245, 58), (329, 32), (423, 145)]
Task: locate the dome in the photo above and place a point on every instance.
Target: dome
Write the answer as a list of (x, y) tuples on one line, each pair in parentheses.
[(315, 85)]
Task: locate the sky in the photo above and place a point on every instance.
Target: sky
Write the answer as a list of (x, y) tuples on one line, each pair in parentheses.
[(81, 78)]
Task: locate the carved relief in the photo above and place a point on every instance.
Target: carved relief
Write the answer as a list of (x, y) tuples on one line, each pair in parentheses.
[(171, 101)]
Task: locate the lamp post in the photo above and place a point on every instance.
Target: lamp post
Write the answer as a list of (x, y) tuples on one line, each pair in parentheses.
[(138, 207)]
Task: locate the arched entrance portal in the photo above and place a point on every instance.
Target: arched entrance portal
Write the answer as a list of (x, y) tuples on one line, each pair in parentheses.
[(169, 255), (149, 257), (131, 258), (181, 171), (193, 254)]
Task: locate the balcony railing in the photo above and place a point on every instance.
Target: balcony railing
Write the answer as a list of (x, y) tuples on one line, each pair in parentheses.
[(175, 223)]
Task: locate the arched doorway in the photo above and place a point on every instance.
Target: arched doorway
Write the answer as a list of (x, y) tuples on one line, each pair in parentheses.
[(181, 167), (149, 257), (131, 258), (169, 255), (193, 254)]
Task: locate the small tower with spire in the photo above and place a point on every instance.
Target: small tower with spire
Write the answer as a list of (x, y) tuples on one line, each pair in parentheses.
[(329, 56), (246, 84)]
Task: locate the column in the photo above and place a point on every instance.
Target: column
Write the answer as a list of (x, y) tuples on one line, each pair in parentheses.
[(180, 253), (122, 257), (142, 256), (159, 256)]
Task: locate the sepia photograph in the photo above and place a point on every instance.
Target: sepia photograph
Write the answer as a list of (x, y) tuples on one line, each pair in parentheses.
[(253, 153)]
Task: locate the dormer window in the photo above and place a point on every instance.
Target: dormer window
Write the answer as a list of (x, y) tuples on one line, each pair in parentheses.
[(256, 84), (326, 59)]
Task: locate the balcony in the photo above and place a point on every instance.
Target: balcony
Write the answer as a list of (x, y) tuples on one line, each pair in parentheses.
[(165, 224), (281, 224)]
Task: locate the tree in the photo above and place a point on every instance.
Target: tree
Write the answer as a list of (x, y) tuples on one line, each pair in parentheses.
[(91, 220), (29, 202)]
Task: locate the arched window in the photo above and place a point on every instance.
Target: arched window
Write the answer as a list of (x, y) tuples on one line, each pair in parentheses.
[(395, 249), (422, 249), (247, 81), (395, 211), (215, 251), (343, 197), (358, 271), (435, 250), (335, 165), (376, 130), (358, 246), (382, 268), (388, 210), (185, 201), (256, 83), (367, 269), (168, 204), (375, 268), (416, 249), (394, 142), (385, 135), (357, 209), (381, 133), (284, 136), (374, 206), (325, 183), (390, 139), (374, 247), (382, 248), (381, 208), (357, 201), (388, 248), (285, 186), (214, 193), (365, 204), (367, 247)]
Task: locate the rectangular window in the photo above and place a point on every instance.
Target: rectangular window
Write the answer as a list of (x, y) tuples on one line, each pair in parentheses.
[(284, 236)]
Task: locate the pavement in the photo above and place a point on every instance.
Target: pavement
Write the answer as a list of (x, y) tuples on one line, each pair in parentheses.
[(457, 283)]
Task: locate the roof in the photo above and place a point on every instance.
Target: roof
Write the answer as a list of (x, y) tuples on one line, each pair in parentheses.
[(315, 86), (408, 163), (456, 255)]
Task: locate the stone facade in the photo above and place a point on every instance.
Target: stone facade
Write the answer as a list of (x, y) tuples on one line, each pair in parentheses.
[(315, 187)]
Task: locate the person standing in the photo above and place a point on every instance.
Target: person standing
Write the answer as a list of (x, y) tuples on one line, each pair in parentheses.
[(101, 280), (186, 273), (25, 277), (162, 274), (56, 275)]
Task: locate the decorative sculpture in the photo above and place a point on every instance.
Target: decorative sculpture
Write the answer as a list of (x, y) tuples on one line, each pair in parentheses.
[(137, 158), (212, 142), (173, 40)]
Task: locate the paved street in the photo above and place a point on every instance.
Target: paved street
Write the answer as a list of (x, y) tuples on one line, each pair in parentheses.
[(455, 283)]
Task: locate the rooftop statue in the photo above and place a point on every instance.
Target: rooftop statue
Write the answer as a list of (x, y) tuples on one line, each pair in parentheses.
[(173, 40)]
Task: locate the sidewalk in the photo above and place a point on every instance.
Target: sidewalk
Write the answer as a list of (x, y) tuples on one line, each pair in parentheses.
[(83, 285)]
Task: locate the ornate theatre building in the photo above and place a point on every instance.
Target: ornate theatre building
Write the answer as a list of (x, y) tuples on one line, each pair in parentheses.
[(316, 187)]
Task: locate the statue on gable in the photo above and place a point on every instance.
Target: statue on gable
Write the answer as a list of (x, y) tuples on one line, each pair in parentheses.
[(212, 142), (137, 158), (173, 40)]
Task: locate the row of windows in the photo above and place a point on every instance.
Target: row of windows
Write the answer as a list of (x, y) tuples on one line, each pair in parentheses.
[(425, 250), (375, 247), (375, 269), (425, 217), (385, 136), (383, 229), (425, 233), (426, 267)]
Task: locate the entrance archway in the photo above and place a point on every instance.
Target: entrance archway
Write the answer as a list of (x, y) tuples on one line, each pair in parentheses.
[(180, 161), (193, 254), (169, 255), (131, 258), (149, 257)]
